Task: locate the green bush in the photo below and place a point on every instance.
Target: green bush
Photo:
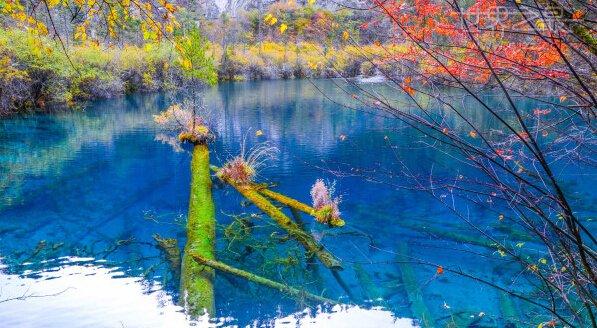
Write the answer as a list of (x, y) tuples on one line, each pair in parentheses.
[(37, 74)]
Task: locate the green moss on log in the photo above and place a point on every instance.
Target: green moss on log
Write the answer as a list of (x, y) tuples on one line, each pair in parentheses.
[(197, 279), (412, 287), (370, 289), (293, 229), (295, 204), (288, 290), (169, 246)]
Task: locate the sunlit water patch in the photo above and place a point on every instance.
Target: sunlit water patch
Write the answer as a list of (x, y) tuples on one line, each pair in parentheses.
[(81, 293)]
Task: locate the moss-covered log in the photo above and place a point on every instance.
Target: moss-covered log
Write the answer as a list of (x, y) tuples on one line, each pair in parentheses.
[(509, 315), (310, 244), (412, 287), (169, 246), (291, 291), (295, 204), (197, 280), (370, 290)]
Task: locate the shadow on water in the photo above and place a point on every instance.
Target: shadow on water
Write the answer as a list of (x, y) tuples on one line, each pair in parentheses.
[(99, 184)]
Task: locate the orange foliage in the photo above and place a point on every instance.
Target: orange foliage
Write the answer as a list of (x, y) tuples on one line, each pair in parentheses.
[(443, 46)]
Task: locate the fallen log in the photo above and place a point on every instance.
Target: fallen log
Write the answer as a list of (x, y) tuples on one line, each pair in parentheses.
[(169, 247), (412, 287), (196, 280), (291, 291), (295, 204), (293, 229)]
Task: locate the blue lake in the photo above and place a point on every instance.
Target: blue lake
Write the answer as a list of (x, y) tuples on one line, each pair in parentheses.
[(84, 193)]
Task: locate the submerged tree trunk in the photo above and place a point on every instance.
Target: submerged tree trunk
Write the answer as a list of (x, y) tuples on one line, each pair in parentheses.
[(295, 204), (413, 289), (291, 291), (196, 279), (293, 229)]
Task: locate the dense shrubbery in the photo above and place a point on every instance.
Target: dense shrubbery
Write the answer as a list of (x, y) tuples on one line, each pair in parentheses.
[(273, 60), (35, 72)]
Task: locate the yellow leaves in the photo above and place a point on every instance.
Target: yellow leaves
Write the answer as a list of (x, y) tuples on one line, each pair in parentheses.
[(312, 65), (519, 245), (186, 64), (518, 1), (345, 35), (80, 33), (258, 133), (283, 28), (270, 19), (178, 48), (501, 252), (550, 323), (52, 3), (20, 16), (533, 268), (169, 27), (563, 98), (310, 2), (41, 28), (542, 261), (540, 24), (170, 7), (79, 3)]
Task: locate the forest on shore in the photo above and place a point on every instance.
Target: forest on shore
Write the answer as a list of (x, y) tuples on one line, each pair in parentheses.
[(40, 69)]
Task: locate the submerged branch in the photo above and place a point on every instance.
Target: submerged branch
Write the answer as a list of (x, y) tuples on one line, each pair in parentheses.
[(293, 229), (293, 203), (293, 292)]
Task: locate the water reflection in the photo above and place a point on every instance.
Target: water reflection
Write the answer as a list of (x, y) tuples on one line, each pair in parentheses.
[(99, 184), (81, 293)]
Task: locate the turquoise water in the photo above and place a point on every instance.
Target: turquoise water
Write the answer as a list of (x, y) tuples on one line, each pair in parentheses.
[(84, 193)]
